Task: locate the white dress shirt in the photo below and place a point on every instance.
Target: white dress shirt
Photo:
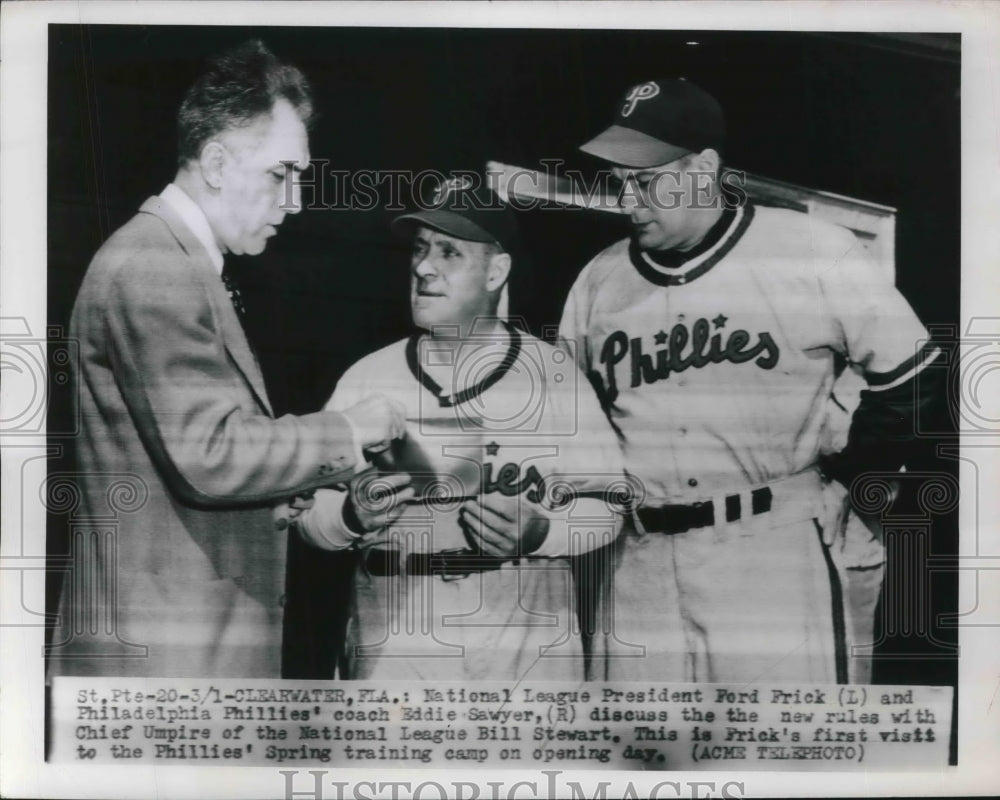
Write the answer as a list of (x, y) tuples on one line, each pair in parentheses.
[(192, 215)]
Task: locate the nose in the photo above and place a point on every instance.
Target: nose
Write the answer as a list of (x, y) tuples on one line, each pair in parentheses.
[(423, 267), (637, 216), (631, 199)]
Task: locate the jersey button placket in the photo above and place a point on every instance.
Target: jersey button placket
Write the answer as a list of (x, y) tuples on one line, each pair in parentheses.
[(671, 414)]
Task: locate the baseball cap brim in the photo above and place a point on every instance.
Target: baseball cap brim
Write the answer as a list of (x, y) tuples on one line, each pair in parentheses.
[(444, 221), (631, 148)]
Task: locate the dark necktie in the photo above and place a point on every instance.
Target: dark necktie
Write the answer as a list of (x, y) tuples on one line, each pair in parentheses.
[(234, 295), (229, 281)]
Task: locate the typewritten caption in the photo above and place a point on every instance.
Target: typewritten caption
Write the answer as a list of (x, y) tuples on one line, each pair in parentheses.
[(590, 726)]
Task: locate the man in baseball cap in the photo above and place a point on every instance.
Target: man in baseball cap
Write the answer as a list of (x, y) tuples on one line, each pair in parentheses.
[(665, 147), (470, 214), (461, 548), (713, 334)]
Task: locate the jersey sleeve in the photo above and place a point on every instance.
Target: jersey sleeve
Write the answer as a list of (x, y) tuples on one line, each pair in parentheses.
[(884, 342), (573, 327), (573, 324), (875, 327)]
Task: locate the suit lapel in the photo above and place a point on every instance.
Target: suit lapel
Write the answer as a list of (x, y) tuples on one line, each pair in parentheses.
[(233, 336)]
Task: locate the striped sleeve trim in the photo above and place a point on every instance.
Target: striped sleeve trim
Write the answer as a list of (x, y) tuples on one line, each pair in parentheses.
[(881, 381)]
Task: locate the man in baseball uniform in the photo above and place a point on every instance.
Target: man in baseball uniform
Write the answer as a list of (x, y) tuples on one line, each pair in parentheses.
[(711, 333), (466, 525)]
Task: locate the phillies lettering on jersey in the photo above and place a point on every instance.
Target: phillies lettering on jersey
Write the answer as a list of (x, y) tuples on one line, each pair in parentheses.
[(509, 481), (459, 443), (673, 359), (717, 364)]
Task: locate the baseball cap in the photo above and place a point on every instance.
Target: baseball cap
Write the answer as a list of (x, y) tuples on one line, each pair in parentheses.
[(658, 122), (474, 214)]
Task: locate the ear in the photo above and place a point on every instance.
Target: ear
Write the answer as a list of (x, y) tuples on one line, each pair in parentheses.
[(212, 163), (498, 271), (708, 160)]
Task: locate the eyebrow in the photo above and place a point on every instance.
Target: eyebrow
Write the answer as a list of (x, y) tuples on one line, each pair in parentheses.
[(637, 176), (439, 243)]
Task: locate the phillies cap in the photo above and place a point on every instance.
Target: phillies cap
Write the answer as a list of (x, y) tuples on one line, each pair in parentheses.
[(658, 122), (465, 212)]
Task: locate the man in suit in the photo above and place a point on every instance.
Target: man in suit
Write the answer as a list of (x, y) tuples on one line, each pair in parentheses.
[(173, 405)]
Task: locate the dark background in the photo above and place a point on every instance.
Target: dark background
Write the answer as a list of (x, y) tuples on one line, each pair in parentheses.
[(874, 117)]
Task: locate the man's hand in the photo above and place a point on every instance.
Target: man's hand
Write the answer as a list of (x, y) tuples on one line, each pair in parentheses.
[(377, 420), (497, 525), (287, 512), (836, 506), (375, 500), (301, 502)]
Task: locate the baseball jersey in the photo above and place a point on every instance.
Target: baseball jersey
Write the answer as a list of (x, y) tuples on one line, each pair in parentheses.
[(516, 421), (717, 372)]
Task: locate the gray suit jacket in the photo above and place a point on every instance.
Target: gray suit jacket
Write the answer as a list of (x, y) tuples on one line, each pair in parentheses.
[(178, 567)]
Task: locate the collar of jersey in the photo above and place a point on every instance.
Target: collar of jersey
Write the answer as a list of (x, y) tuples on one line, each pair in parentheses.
[(699, 260), (447, 401)]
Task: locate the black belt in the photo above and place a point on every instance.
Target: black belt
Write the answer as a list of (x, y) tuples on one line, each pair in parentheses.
[(680, 518), (445, 563)]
